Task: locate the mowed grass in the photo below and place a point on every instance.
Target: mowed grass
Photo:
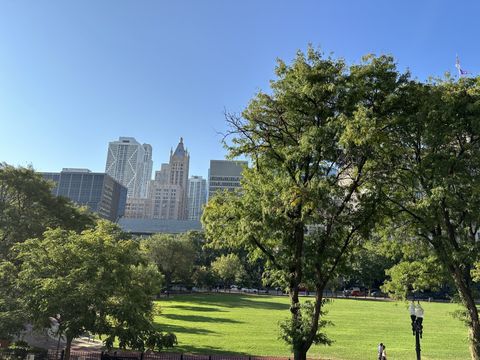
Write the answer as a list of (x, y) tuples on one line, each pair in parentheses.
[(248, 325)]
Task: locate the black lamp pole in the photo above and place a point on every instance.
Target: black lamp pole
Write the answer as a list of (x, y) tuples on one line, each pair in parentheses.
[(416, 315)]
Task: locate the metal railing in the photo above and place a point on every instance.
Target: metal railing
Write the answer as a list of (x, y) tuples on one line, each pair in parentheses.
[(123, 355)]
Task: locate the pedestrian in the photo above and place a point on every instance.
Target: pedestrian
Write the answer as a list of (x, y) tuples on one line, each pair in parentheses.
[(384, 353), (380, 350)]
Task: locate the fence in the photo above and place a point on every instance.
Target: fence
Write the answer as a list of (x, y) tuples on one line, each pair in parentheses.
[(23, 354), (81, 355)]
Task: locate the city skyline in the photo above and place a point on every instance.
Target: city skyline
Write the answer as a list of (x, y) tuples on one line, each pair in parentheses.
[(74, 75), (130, 163)]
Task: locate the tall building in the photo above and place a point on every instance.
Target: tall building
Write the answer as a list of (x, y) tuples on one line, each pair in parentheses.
[(168, 192), (138, 208), (147, 169), (130, 163), (224, 175), (197, 197), (100, 192)]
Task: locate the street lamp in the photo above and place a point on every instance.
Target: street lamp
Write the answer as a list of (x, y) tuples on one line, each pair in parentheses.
[(416, 315)]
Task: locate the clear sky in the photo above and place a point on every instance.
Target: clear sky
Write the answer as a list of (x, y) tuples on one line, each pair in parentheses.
[(75, 75)]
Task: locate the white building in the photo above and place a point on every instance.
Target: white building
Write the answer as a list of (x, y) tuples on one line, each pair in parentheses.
[(147, 169), (130, 163), (197, 197)]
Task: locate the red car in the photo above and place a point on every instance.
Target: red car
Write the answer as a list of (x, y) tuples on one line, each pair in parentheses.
[(356, 292)]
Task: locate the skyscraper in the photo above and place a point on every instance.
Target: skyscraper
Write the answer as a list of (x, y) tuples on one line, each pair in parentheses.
[(197, 196), (224, 175), (130, 163), (99, 191), (147, 169), (168, 192)]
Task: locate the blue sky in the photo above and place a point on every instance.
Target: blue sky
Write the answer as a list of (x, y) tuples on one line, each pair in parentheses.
[(75, 75)]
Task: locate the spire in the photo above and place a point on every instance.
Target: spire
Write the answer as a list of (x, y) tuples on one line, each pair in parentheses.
[(180, 150)]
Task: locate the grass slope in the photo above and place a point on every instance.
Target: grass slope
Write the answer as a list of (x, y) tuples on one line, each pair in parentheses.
[(248, 325)]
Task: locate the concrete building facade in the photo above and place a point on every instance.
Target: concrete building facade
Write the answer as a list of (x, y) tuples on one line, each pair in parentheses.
[(168, 191), (138, 208), (224, 175)]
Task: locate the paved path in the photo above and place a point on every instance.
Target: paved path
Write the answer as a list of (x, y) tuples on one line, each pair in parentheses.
[(42, 340)]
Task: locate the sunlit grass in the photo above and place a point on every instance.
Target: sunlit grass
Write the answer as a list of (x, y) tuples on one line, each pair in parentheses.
[(242, 324)]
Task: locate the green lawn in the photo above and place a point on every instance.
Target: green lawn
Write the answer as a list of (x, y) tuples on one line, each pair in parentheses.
[(248, 325)]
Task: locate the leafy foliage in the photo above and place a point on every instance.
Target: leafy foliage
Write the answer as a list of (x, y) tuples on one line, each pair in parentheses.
[(96, 281), (433, 180), (173, 254), (314, 143), (28, 208), (295, 331), (228, 268)]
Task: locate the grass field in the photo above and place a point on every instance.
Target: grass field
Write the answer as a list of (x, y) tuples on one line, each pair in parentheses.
[(248, 325)]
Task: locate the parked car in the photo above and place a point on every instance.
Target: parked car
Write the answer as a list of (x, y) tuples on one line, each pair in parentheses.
[(356, 291), (377, 293)]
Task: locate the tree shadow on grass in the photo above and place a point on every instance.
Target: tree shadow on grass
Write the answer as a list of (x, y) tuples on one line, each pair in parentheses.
[(196, 308), (207, 350), (200, 318), (176, 329), (232, 301)]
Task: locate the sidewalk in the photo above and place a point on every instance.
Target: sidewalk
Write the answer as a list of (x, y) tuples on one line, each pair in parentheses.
[(42, 340)]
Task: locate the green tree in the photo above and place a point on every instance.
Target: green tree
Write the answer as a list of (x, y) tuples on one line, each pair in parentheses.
[(434, 168), (366, 265), (12, 317), (229, 269), (96, 281), (203, 277), (414, 276), (173, 254), (27, 209), (410, 266), (313, 144)]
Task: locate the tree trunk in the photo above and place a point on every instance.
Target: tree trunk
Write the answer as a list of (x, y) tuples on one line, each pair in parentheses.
[(168, 280), (462, 279), (68, 347), (296, 274), (296, 268), (299, 354)]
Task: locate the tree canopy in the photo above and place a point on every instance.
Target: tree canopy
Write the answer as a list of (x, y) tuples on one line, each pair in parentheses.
[(433, 179), (228, 268), (314, 143), (174, 256), (28, 208), (95, 281)]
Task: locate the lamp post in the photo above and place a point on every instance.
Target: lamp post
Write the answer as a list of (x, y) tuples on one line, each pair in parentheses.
[(416, 315)]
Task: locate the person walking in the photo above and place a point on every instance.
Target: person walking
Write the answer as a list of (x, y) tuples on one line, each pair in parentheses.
[(384, 353), (380, 350)]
